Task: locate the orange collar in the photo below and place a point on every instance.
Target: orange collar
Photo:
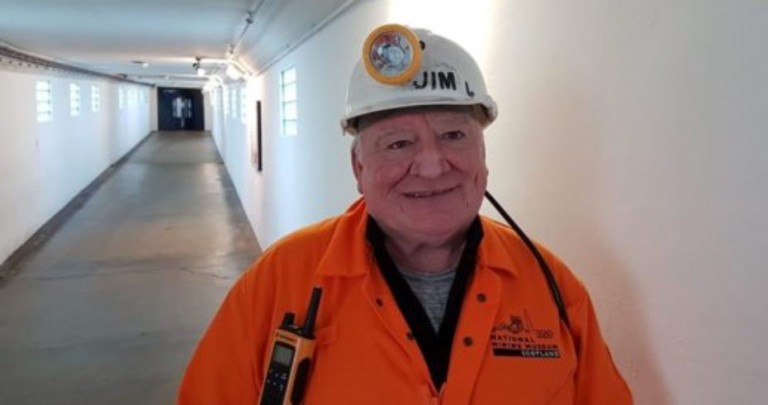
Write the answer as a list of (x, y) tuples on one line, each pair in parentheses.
[(349, 255)]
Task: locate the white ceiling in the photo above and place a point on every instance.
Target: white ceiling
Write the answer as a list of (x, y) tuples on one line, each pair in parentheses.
[(108, 35)]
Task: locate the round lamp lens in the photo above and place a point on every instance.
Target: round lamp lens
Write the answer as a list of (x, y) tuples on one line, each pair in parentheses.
[(392, 54)]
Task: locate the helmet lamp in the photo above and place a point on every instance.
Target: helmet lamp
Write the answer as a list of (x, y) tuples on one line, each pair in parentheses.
[(392, 54)]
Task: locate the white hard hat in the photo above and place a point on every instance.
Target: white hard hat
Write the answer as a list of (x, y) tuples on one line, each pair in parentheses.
[(402, 68)]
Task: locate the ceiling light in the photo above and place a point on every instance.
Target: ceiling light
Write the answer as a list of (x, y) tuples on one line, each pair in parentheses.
[(233, 72), (199, 69), (211, 84)]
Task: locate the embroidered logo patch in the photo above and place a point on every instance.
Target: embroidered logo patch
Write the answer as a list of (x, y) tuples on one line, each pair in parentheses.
[(518, 337)]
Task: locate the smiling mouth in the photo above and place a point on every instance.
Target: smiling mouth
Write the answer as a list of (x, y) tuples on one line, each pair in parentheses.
[(430, 193)]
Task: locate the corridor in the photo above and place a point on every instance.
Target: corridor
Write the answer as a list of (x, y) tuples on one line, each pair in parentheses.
[(150, 150), (110, 307)]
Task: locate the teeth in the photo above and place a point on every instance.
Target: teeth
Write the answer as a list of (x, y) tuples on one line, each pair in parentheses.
[(426, 193)]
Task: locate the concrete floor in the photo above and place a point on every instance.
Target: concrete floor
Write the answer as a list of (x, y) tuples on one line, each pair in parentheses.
[(110, 308)]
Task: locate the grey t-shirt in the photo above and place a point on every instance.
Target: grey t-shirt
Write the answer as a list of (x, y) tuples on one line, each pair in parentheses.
[(432, 291)]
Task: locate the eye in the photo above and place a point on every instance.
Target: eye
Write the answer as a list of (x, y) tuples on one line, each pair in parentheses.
[(454, 135), (399, 144)]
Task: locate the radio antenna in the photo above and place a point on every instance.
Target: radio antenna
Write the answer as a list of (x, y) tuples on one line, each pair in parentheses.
[(309, 321)]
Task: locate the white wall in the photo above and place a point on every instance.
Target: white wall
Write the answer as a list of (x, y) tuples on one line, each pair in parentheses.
[(294, 188), (207, 112), (631, 145), (628, 141), (45, 164), (153, 121)]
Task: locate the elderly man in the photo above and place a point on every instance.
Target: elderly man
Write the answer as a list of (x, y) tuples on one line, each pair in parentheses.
[(424, 301)]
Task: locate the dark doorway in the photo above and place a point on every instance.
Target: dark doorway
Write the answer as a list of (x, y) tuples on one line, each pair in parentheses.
[(180, 109)]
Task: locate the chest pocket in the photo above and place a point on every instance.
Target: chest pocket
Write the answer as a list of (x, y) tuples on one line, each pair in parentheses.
[(356, 361), (529, 361)]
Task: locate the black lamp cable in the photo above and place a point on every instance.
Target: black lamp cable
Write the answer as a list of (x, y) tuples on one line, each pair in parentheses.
[(554, 290)]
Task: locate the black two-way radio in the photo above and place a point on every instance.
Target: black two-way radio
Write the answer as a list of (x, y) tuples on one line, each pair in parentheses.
[(292, 350)]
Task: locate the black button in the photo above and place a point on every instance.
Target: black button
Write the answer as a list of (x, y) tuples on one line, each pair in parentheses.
[(409, 335), (468, 341), (379, 302), (481, 297)]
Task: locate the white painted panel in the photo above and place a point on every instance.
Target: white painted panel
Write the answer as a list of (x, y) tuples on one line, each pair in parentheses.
[(46, 164), (18, 148)]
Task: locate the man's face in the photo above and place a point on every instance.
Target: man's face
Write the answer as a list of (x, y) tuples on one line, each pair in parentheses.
[(422, 172)]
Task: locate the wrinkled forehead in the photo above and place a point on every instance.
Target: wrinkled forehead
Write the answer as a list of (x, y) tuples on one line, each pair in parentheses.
[(447, 114)]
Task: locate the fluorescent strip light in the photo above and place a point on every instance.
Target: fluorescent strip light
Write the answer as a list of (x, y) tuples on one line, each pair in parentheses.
[(233, 72)]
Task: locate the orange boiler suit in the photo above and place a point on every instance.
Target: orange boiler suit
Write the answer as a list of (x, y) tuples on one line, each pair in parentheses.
[(510, 345)]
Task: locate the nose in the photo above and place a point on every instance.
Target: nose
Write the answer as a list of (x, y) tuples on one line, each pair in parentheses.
[(430, 160)]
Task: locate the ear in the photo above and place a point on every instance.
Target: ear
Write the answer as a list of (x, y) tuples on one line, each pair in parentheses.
[(357, 167)]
